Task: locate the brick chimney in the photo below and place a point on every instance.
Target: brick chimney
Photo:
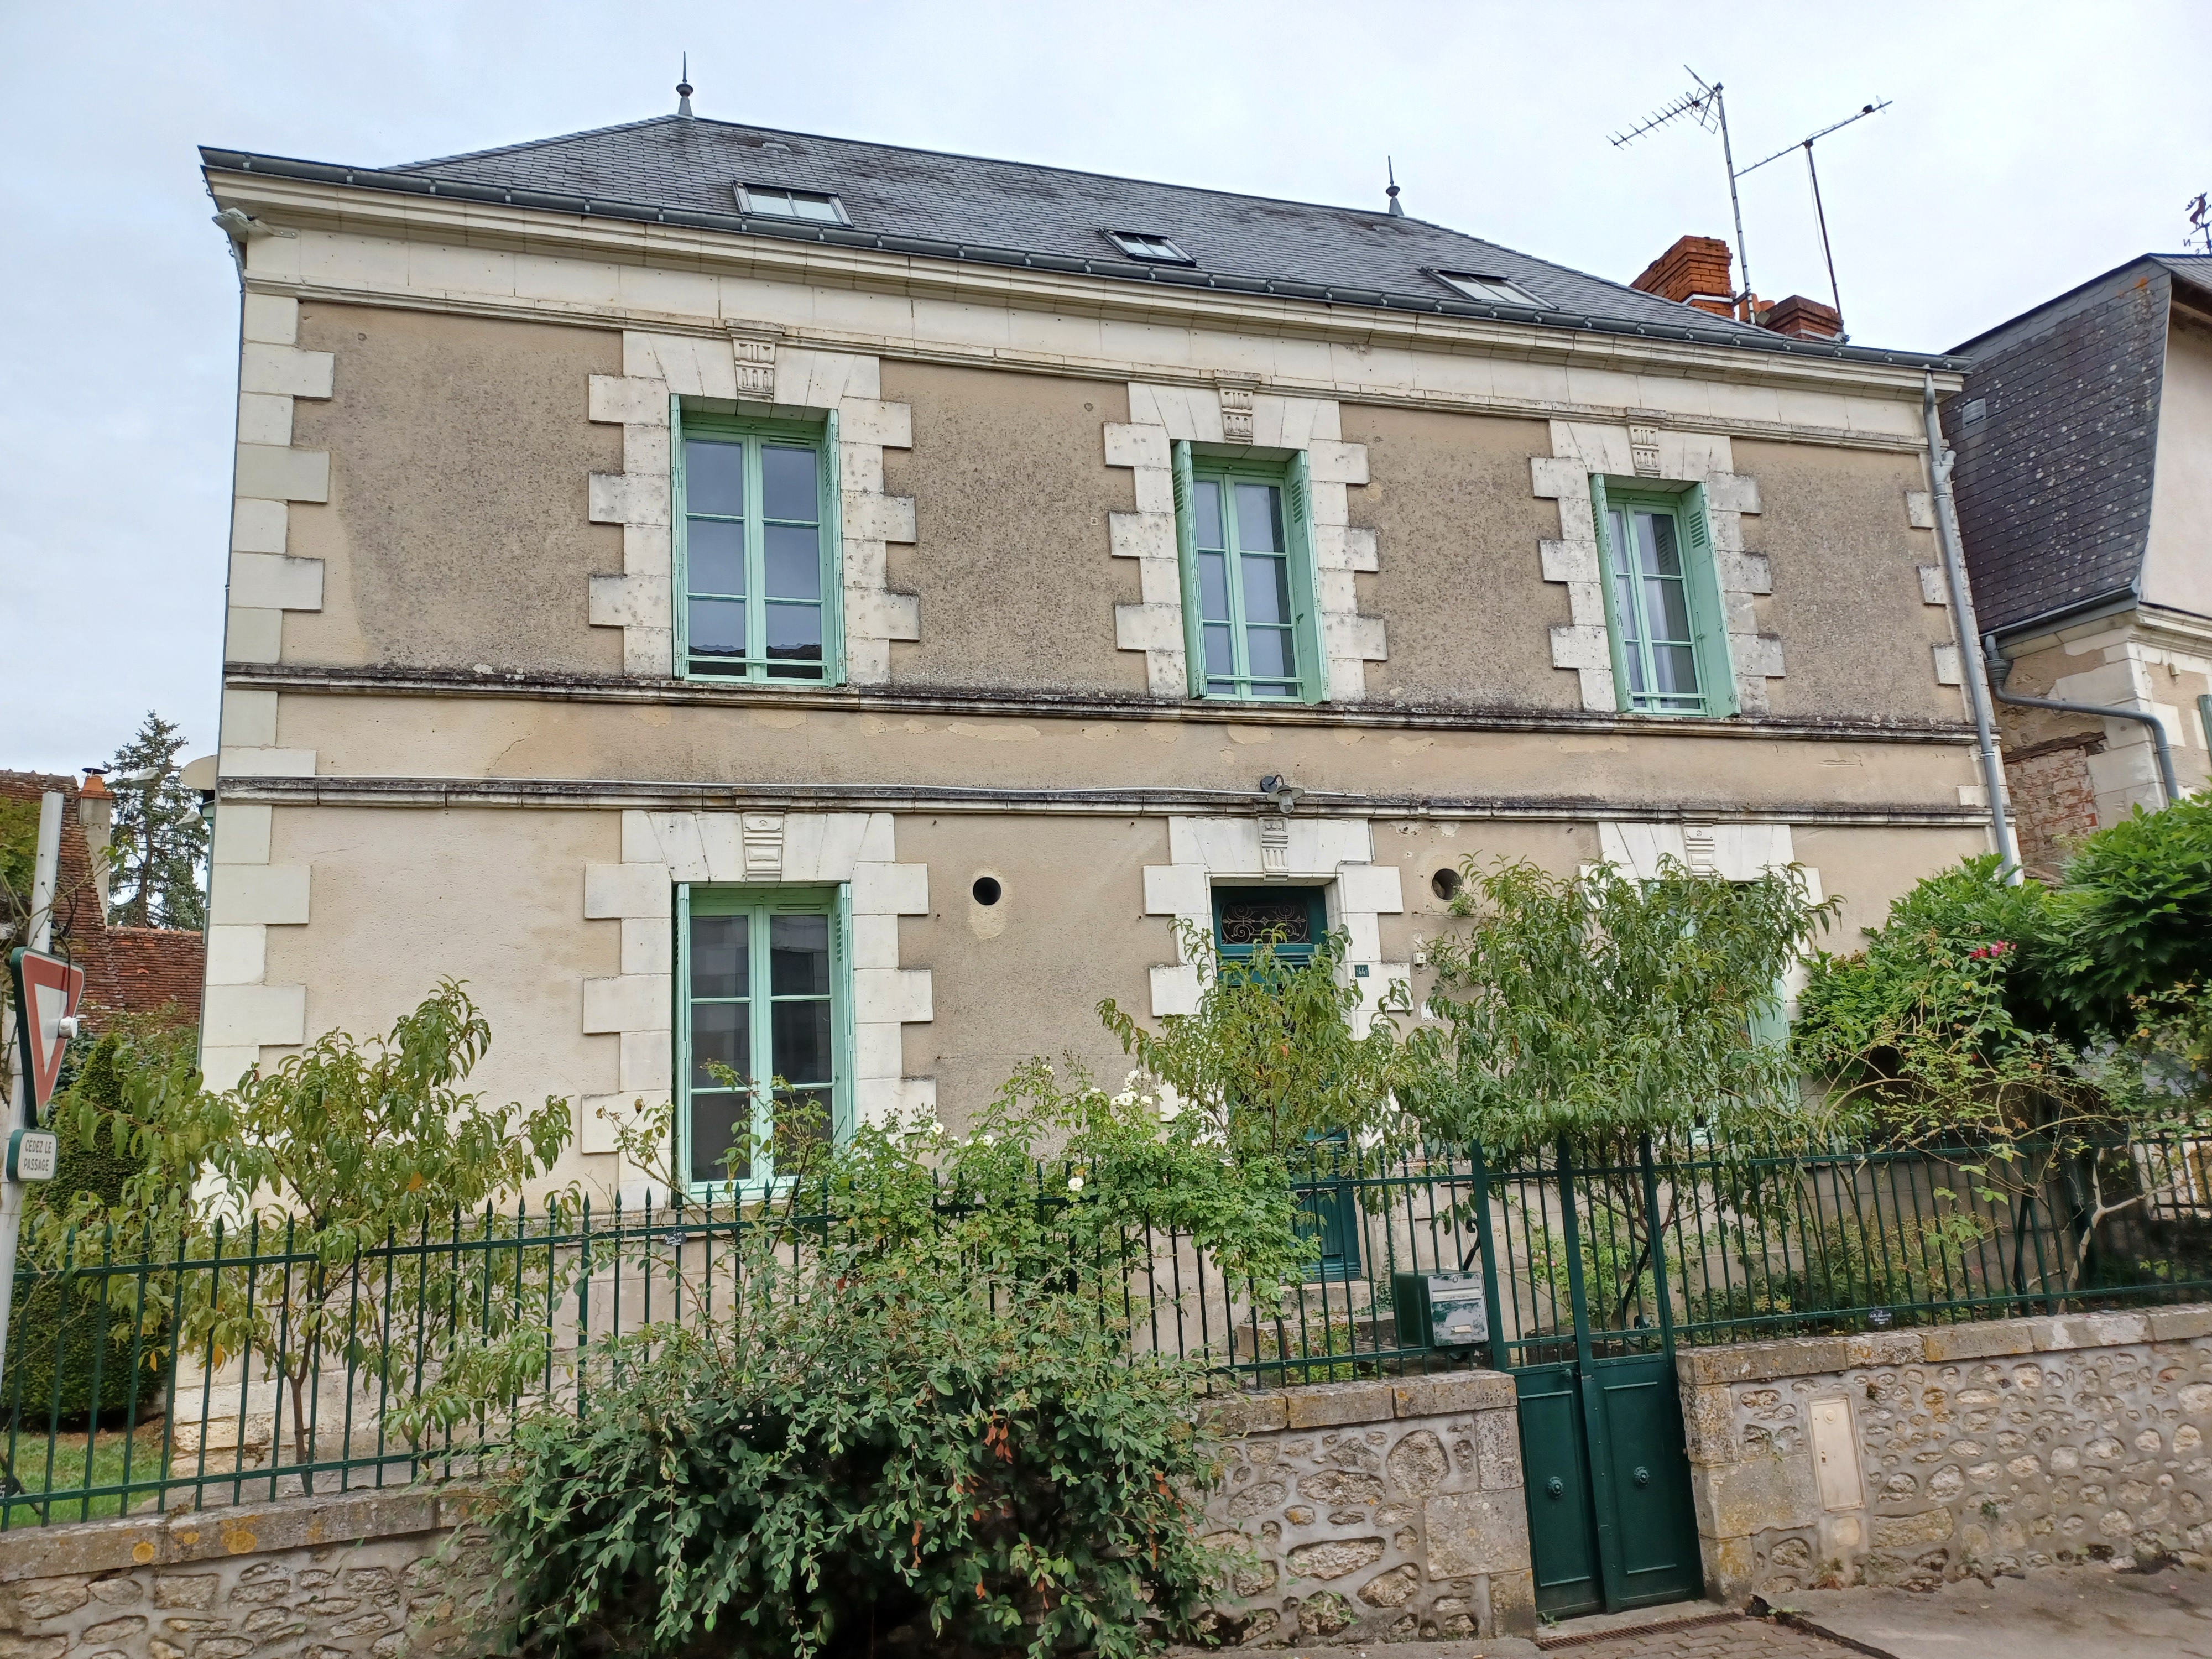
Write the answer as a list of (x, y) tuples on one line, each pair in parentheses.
[(1802, 318), (1696, 270)]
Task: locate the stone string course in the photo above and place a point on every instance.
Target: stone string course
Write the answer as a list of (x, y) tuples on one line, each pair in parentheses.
[(1997, 1448), (1375, 1511)]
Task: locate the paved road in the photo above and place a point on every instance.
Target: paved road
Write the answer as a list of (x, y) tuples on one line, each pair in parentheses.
[(2087, 1613)]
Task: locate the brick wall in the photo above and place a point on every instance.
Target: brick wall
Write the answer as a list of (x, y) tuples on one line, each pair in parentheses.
[(2054, 801)]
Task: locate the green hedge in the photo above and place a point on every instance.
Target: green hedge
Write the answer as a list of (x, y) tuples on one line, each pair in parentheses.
[(63, 1324)]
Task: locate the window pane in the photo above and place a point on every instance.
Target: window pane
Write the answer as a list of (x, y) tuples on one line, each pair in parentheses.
[(1268, 654), (1657, 554), (714, 557), (1205, 512), (793, 561), (722, 1032), (802, 1118), (1676, 668), (719, 956), (1259, 518), (1266, 588), (713, 477), (1219, 657), (717, 1122), (807, 207), (770, 201), (1273, 689), (798, 955), (1666, 606), (718, 628), (802, 1040), (787, 488), (794, 633), (1213, 586)]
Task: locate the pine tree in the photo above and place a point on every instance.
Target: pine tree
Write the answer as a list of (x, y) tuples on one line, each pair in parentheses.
[(161, 839)]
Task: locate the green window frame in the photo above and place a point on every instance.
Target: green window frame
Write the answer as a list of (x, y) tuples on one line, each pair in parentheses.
[(758, 549), (1663, 603), (763, 982), (1244, 537)]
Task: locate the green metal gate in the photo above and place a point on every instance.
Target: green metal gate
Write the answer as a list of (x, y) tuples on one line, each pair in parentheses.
[(1580, 1314)]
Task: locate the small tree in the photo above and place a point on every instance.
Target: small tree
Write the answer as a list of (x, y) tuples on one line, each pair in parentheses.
[(343, 1149), (159, 839), (1596, 1007)]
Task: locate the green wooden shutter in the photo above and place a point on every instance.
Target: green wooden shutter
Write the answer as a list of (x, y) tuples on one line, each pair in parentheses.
[(1770, 1025), (679, 581), (679, 1130), (1622, 697), (1708, 616), (1306, 608), (833, 554), (844, 1087), (1194, 632)]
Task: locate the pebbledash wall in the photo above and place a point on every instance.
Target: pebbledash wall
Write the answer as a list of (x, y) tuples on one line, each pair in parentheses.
[(1911, 1457)]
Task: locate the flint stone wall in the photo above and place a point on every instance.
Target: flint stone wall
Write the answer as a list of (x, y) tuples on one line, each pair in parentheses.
[(2003, 1447), (1375, 1511), (315, 1577)]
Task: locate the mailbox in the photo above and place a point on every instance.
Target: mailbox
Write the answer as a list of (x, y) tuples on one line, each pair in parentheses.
[(1440, 1310)]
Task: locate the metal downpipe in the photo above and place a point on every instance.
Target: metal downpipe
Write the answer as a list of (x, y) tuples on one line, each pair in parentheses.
[(2001, 667)]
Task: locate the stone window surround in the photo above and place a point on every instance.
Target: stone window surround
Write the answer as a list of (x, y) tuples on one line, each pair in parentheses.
[(266, 579), (241, 1013), (750, 373), (1735, 851), (1337, 854), (1162, 415), (638, 1005), (1580, 449)]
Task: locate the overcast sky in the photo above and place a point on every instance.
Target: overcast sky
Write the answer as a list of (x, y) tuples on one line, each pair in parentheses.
[(2030, 147)]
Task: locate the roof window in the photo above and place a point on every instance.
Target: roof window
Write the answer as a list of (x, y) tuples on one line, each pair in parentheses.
[(772, 202), (1142, 245), (1496, 290)]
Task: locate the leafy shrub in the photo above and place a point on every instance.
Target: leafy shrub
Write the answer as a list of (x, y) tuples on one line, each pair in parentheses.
[(2134, 917), (915, 1426)]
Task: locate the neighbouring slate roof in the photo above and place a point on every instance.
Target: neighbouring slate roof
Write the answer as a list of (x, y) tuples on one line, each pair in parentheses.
[(685, 170), (2055, 465)]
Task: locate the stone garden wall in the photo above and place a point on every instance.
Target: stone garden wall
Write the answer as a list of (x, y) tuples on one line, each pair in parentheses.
[(322, 1578), (1376, 1511), (1913, 1456)]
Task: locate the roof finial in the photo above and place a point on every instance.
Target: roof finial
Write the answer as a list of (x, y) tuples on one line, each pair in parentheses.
[(683, 90), (1396, 212)]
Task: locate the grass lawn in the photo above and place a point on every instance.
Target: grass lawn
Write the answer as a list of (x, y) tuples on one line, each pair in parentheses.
[(69, 1475)]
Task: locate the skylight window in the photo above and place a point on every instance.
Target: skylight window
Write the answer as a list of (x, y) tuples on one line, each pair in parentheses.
[(1496, 290), (1141, 245), (812, 206)]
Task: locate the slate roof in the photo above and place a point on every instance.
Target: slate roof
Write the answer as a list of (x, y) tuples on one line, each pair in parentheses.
[(684, 170), (2056, 433)]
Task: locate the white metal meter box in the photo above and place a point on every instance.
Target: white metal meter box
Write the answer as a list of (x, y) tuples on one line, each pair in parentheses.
[(1440, 1310)]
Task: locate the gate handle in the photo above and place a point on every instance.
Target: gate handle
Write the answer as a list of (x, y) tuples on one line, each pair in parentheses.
[(1557, 1487), (1643, 1477)]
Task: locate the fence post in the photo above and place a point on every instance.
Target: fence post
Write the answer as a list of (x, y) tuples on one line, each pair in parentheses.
[(1487, 1247)]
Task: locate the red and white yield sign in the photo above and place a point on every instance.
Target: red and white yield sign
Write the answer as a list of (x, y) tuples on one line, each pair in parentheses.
[(46, 993)]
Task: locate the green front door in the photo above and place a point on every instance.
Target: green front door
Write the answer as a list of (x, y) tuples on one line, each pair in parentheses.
[(1586, 1327), (1292, 921)]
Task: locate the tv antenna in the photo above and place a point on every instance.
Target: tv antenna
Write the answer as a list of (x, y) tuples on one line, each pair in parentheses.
[(1706, 107), (1814, 172)]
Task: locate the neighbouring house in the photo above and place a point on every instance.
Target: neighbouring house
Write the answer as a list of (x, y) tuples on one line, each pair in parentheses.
[(144, 971), (840, 610), (2084, 486)]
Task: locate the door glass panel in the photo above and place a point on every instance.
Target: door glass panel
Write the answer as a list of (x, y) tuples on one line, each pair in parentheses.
[(798, 955), (714, 557), (1656, 546), (713, 477), (794, 633), (1269, 649), (719, 956), (802, 1040), (719, 1123), (1245, 919), (1219, 660), (1676, 668), (721, 1033), (1267, 590), (1213, 587)]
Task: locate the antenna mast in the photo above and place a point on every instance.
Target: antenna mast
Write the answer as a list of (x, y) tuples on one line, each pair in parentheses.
[(1710, 110), (1819, 211)]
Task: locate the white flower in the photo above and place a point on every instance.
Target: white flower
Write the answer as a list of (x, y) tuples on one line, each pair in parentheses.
[(1075, 1183), (1135, 1076), (987, 1140), (1126, 1099)]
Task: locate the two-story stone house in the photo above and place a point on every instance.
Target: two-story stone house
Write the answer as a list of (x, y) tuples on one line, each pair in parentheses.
[(836, 609)]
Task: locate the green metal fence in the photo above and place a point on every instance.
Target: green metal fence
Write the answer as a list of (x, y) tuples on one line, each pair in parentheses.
[(104, 1415)]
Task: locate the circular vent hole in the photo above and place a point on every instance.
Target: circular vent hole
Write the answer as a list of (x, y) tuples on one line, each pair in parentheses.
[(986, 890), (1445, 885)]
